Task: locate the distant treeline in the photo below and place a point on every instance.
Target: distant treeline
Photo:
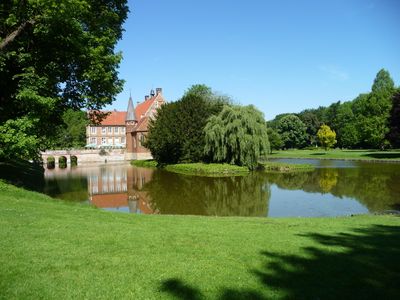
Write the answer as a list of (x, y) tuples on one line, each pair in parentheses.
[(370, 121)]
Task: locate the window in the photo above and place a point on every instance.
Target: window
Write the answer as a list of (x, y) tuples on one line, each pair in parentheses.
[(110, 141), (103, 141), (109, 130), (116, 140), (123, 140), (93, 129), (123, 129), (103, 130), (116, 129), (93, 140), (141, 139)]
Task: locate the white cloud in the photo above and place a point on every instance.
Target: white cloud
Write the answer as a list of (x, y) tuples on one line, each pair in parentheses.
[(334, 72)]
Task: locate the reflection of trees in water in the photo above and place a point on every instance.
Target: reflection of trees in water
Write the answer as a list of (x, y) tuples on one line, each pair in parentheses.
[(71, 188), (376, 186), (328, 179), (228, 196)]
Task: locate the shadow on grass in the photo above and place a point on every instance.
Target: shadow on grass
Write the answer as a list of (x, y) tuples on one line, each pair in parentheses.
[(364, 264), (22, 173), (383, 155), (180, 290), (318, 153)]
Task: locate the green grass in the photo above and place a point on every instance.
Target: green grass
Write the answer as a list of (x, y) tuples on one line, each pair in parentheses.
[(270, 166), (373, 155), (54, 250), (207, 169), (144, 163)]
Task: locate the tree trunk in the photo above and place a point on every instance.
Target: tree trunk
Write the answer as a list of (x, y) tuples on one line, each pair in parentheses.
[(13, 35)]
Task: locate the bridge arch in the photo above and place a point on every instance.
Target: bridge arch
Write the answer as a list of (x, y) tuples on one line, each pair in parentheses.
[(62, 161)]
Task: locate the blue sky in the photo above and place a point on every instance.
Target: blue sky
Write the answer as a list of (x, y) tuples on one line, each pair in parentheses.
[(281, 56)]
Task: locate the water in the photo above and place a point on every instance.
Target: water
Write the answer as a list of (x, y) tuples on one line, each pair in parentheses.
[(334, 188)]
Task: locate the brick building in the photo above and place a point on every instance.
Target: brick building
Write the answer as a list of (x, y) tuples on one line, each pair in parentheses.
[(127, 129), (110, 133)]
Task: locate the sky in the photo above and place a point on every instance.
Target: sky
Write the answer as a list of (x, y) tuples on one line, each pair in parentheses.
[(281, 56)]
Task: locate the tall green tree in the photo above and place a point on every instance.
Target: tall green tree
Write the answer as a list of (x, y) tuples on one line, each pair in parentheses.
[(275, 140), (326, 136), (383, 82), (394, 122), (292, 131), (310, 119), (55, 55), (372, 112), (237, 135), (177, 134)]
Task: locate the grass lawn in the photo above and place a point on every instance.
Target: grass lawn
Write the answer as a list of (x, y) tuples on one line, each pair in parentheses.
[(339, 154), (55, 250)]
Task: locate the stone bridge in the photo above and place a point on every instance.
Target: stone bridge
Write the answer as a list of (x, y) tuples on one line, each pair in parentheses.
[(85, 156)]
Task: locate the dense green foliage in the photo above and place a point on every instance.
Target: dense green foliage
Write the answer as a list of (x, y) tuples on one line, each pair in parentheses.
[(326, 136), (274, 138), (394, 122), (54, 56), (237, 135), (177, 134), (292, 131), (72, 133), (361, 123), (50, 249)]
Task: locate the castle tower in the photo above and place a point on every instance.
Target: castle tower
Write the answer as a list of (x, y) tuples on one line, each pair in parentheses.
[(130, 123)]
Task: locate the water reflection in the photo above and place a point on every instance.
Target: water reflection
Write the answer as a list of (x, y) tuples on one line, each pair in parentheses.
[(334, 188), (377, 186), (228, 196)]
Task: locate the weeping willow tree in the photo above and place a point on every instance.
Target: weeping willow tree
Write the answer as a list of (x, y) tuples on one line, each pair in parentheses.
[(237, 135)]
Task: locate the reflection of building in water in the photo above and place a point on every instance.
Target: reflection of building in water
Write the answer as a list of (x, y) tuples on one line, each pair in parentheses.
[(120, 189)]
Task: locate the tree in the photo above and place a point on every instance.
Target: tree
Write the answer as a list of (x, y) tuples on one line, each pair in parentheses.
[(177, 135), (310, 119), (237, 135), (292, 131), (394, 122), (274, 139), (55, 55), (372, 112), (383, 82), (72, 133), (326, 136)]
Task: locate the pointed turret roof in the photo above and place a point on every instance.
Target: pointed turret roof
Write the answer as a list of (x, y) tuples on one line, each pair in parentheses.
[(130, 114)]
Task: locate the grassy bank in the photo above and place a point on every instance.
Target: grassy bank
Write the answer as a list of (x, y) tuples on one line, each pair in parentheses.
[(201, 169), (270, 166), (51, 249), (144, 163), (207, 169), (371, 155)]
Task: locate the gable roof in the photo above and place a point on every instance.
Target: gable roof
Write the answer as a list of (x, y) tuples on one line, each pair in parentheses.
[(143, 107), (115, 118)]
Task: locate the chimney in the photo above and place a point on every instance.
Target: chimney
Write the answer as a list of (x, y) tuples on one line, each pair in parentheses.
[(146, 97), (158, 91)]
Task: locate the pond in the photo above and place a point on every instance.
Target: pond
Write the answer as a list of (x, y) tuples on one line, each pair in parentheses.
[(334, 188)]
